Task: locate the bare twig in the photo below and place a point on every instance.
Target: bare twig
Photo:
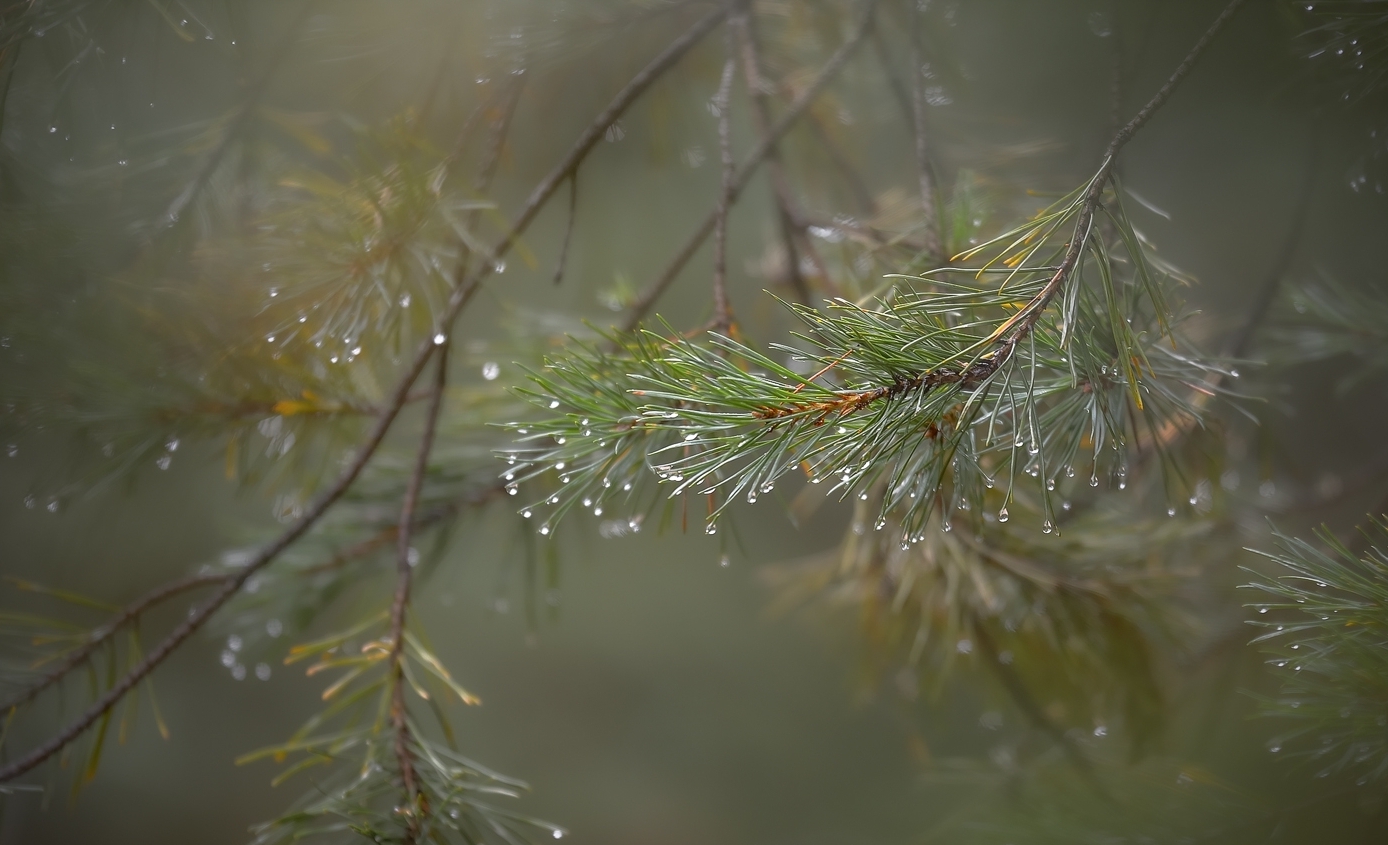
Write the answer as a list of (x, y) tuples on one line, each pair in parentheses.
[(791, 221), (856, 185), (722, 312), (568, 230), (931, 219), (647, 298), (462, 294), (400, 605), (131, 612)]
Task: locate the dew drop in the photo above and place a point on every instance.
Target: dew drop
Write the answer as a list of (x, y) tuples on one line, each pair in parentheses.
[(553, 403), (544, 530), (491, 370), (525, 514), (440, 339), (711, 528), (1047, 527), (163, 462), (262, 671), (1002, 514)]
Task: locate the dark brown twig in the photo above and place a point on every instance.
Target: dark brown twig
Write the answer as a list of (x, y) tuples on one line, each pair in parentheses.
[(462, 294), (568, 230), (400, 605), (647, 298), (722, 311), (131, 612), (791, 221)]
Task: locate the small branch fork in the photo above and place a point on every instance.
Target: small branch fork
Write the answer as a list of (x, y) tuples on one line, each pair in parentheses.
[(647, 298), (1020, 325), (462, 294), (417, 802)]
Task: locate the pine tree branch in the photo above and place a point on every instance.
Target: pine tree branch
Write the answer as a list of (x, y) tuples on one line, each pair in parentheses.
[(400, 605), (642, 304), (130, 613), (1015, 330), (462, 294)]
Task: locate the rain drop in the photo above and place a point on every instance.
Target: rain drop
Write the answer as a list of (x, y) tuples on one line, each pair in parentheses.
[(491, 370), (1002, 514)]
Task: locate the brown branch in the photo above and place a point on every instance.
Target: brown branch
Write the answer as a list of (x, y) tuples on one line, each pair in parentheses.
[(1019, 326), (462, 294), (416, 802), (647, 298), (132, 611), (722, 312)]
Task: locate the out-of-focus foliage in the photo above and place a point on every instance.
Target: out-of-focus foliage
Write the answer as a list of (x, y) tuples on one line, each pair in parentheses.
[(1325, 617)]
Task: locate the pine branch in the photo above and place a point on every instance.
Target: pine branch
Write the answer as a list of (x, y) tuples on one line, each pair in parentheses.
[(976, 371), (462, 293), (401, 602)]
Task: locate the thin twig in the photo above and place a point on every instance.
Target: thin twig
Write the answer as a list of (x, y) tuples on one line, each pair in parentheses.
[(400, 605), (132, 611), (791, 221), (856, 184), (462, 294), (647, 298), (722, 312), (931, 219), (568, 230)]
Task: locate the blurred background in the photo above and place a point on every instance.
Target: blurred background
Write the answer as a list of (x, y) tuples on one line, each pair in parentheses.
[(647, 684)]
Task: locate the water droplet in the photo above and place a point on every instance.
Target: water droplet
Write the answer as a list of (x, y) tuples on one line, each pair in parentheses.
[(238, 672), (1100, 731), (1172, 511), (544, 529), (163, 462), (1002, 514), (724, 561), (553, 403), (234, 643), (12, 450), (440, 339), (491, 370), (1050, 484), (52, 505), (1093, 481), (558, 834), (597, 511), (262, 671), (1047, 527), (525, 514), (499, 266), (274, 627), (691, 436)]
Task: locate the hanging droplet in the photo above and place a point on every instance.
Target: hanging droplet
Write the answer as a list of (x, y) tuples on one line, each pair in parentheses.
[(544, 529), (1093, 481), (1002, 514), (1047, 527), (553, 403), (724, 561), (526, 513), (711, 528), (440, 339)]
